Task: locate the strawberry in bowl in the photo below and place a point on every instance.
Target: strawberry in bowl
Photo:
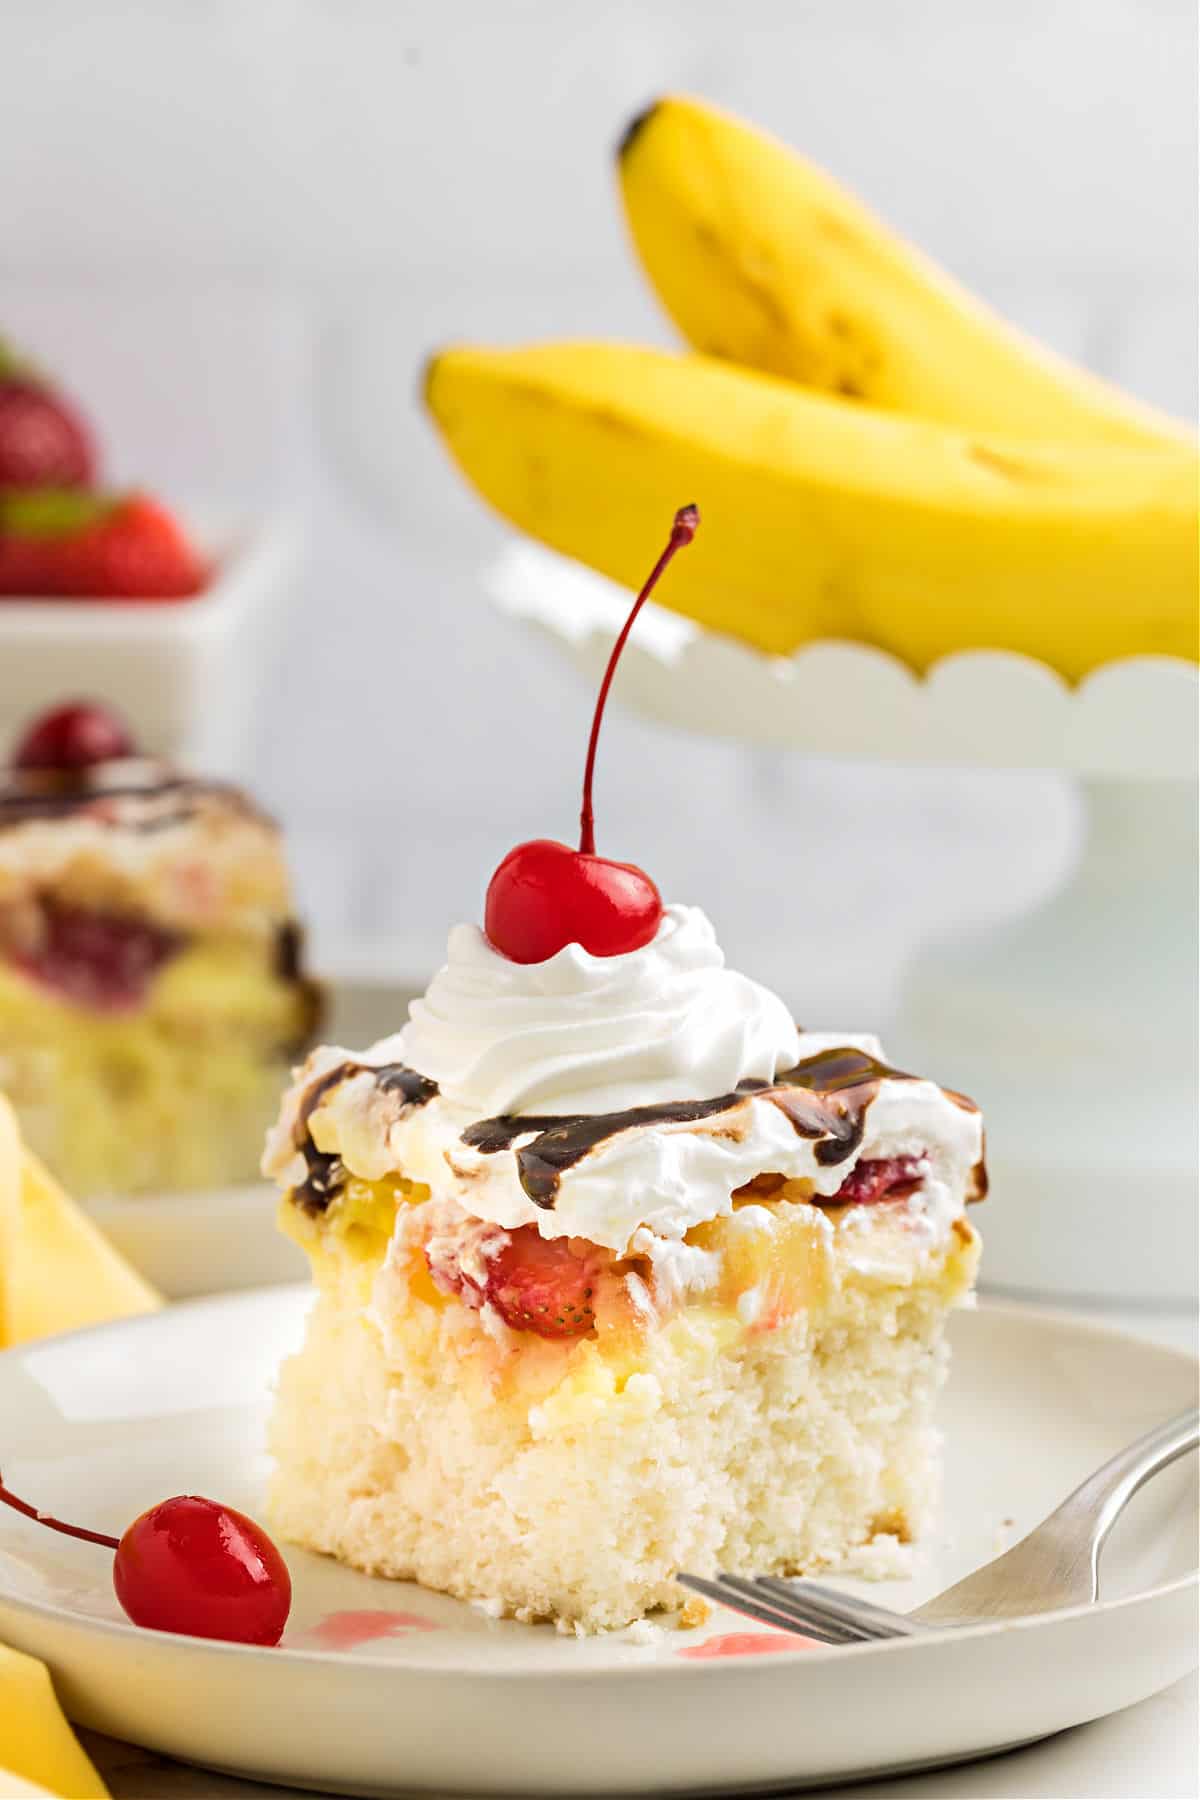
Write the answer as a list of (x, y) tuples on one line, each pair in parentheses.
[(44, 439), (64, 544)]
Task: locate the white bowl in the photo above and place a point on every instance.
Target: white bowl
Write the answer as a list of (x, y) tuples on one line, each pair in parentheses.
[(160, 663)]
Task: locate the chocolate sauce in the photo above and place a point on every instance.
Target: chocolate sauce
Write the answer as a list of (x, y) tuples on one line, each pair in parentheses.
[(56, 794), (326, 1173), (565, 1139), (825, 1097), (289, 950), (289, 967)]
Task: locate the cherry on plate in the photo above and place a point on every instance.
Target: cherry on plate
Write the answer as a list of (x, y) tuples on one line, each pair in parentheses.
[(191, 1565)]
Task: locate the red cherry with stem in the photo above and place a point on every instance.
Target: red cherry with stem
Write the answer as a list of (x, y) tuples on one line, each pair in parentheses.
[(190, 1565), (544, 895), (74, 736)]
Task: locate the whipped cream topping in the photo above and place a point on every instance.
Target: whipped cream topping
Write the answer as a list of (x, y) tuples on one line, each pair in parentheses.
[(669, 1176), (582, 1033)]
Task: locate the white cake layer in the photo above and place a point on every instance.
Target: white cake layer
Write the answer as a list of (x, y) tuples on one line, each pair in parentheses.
[(783, 1451)]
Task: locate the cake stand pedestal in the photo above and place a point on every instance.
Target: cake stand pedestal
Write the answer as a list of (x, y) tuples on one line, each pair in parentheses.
[(1075, 1026)]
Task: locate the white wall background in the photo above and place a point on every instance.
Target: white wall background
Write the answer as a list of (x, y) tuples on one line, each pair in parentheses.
[(237, 226)]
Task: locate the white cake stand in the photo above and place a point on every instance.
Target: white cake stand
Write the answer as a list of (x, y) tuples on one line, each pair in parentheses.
[(1076, 1026)]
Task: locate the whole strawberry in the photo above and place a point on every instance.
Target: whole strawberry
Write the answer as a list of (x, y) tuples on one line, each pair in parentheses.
[(65, 544), (44, 442)]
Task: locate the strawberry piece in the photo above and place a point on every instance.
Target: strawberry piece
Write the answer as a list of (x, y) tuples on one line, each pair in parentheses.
[(44, 441), (882, 1178), (63, 544), (540, 1284), (97, 960)]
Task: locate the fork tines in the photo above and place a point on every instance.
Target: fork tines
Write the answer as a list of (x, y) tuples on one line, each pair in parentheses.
[(805, 1608)]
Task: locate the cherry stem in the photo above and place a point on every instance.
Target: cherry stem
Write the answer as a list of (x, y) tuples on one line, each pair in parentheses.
[(682, 532), (75, 1531)]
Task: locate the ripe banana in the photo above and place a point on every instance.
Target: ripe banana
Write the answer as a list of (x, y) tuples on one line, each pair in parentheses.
[(762, 259), (823, 520)]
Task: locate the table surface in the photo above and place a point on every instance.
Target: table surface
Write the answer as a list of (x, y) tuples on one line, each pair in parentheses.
[(1147, 1750)]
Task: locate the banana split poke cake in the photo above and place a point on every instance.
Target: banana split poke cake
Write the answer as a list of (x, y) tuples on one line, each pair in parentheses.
[(619, 1273), (152, 995)]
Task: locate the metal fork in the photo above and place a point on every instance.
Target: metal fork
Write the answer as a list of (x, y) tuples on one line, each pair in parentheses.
[(1056, 1565)]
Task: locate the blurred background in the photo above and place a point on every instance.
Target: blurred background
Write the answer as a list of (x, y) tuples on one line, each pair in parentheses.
[(235, 228)]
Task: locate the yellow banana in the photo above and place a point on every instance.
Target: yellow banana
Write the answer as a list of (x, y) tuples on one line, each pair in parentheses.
[(762, 259), (823, 520)]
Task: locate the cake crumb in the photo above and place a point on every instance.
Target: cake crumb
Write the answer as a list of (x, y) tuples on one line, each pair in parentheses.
[(883, 1558), (694, 1612), (893, 1523), (642, 1631)]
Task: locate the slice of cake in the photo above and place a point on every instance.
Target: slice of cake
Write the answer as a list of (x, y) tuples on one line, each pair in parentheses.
[(619, 1273), (151, 989)]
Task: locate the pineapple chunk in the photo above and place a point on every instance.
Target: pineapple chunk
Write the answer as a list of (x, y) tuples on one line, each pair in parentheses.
[(776, 1260), (57, 1271)]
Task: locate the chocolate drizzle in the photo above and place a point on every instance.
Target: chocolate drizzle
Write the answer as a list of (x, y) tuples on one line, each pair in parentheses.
[(110, 792), (326, 1172), (825, 1097), (290, 968), (563, 1140)]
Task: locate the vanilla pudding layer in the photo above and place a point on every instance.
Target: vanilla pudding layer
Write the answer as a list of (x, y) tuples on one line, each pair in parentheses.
[(170, 1094)]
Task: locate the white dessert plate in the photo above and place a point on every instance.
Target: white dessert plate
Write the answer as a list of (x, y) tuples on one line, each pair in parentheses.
[(382, 1688), (212, 1240)]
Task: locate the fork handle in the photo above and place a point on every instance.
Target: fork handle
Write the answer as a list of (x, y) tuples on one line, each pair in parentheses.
[(1058, 1563), (1099, 1500)]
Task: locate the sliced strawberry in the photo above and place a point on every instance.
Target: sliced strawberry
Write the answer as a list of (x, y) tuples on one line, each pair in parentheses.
[(540, 1284), (98, 960), (91, 547), (882, 1178)]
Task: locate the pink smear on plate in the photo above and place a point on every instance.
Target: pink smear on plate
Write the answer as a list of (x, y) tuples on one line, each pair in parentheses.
[(746, 1643), (346, 1630)]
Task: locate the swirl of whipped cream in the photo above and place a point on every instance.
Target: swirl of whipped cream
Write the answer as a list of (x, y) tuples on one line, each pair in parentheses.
[(583, 1033)]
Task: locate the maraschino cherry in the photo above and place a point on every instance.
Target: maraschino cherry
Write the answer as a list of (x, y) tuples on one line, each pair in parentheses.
[(545, 895), (189, 1565), (73, 736)]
